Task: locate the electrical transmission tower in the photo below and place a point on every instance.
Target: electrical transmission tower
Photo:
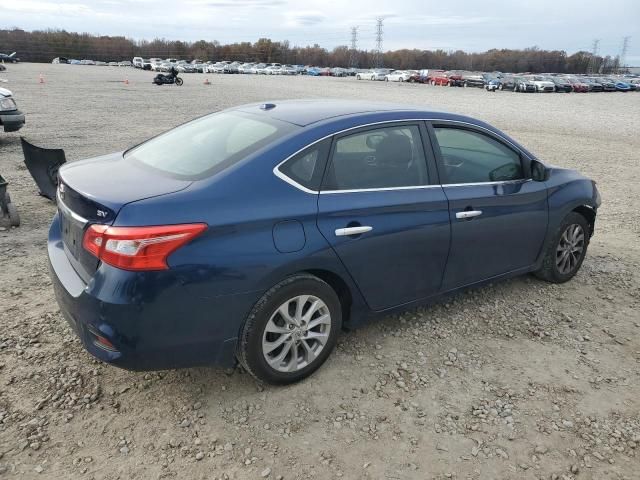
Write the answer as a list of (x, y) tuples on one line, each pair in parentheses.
[(353, 57), (593, 62), (623, 54), (379, 32)]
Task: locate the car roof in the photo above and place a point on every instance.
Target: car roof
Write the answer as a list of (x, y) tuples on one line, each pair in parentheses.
[(307, 112)]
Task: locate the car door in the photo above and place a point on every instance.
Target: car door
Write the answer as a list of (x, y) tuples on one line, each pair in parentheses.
[(498, 214), (381, 210)]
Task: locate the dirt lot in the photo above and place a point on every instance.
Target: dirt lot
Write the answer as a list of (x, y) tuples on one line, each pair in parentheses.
[(521, 379)]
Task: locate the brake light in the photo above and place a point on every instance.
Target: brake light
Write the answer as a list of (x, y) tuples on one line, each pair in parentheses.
[(138, 248)]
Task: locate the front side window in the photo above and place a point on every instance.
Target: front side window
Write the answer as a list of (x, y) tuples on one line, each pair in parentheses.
[(472, 157), (382, 158), (209, 144)]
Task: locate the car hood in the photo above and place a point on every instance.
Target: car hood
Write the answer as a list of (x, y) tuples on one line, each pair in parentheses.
[(5, 93)]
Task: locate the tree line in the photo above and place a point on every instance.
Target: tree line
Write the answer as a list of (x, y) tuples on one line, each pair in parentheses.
[(44, 45)]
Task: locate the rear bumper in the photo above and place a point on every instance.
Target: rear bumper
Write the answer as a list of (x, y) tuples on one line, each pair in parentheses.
[(12, 122), (154, 320)]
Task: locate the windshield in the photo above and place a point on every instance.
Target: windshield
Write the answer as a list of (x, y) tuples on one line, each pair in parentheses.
[(208, 145)]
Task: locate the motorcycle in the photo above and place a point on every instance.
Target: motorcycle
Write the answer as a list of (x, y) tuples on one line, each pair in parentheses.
[(162, 79)]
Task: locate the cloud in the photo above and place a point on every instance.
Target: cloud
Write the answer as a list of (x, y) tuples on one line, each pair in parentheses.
[(40, 7), (441, 20), (304, 19), (238, 3)]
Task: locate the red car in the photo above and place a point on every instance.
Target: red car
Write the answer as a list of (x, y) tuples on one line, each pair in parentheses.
[(437, 77), (577, 85), (450, 79)]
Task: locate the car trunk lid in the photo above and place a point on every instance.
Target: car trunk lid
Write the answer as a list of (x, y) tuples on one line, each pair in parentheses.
[(93, 191)]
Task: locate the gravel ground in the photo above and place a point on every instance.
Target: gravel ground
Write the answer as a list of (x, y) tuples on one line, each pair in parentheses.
[(521, 379)]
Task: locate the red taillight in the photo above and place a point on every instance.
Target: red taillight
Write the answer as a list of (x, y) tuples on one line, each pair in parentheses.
[(138, 248)]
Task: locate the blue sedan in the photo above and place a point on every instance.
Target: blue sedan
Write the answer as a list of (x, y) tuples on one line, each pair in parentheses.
[(257, 233)]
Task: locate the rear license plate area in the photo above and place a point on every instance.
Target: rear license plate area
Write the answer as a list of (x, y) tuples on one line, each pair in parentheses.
[(71, 234)]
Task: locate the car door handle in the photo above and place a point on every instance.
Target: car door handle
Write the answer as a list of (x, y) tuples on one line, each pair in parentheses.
[(468, 214), (342, 232)]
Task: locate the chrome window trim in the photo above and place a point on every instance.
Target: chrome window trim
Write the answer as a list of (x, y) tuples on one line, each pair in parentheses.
[(382, 189), (293, 183), (499, 182)]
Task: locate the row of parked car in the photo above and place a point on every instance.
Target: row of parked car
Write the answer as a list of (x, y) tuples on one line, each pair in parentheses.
[(72, 61), (491, 81), (547, 82), (255, 68)]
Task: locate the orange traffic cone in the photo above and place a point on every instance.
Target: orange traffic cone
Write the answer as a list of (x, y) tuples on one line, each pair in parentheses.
[(207, 82), (41, 80)]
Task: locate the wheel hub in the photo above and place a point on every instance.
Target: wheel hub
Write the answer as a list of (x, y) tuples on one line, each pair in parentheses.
[(570, 248), (296, 333)]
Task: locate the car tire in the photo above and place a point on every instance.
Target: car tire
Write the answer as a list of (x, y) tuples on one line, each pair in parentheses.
[(254, 342), (573, 230), (358, 77), (501, 87)]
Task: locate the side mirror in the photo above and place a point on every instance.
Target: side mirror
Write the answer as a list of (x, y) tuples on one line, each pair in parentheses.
[(539, 173)]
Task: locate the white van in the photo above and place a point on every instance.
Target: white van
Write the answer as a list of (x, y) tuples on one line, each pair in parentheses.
[(138, 62)]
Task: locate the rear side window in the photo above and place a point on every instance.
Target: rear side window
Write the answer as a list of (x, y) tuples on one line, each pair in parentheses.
[(307, 167), (208, 145), (472, 157), (388, 157)]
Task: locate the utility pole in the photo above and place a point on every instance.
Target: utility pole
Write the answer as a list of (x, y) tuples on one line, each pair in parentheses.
[(353, 57), (594, 53), (623, 54), (379, 32)]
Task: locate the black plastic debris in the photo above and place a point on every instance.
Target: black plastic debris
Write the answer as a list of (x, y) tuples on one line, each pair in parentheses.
[(43, 165), (7, 208)]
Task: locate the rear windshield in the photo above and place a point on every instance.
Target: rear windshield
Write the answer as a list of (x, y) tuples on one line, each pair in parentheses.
[(209, 144)]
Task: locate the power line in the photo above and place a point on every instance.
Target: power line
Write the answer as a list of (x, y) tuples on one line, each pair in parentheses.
[(379, 32), (353, 54)]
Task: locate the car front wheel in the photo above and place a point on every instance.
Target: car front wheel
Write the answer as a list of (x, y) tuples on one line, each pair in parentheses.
[(566, 250), (291, 330)]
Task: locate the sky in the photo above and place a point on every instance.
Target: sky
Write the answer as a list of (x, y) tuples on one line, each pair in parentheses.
[(471, 25)]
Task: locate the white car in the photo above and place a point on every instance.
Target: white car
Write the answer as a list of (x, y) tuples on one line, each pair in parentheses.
[(288, 70), (216, 68), (542, 85), (273, 70), (372, 75), (256, 68), (398, 76), (245, 68)]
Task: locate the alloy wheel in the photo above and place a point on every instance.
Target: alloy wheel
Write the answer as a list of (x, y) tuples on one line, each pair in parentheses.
[(570, 248), (296, 333)]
